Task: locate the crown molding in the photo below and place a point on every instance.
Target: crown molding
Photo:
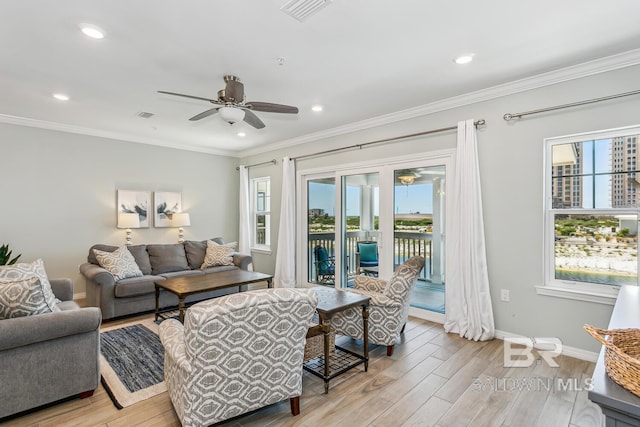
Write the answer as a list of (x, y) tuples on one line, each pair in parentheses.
[(574, 72), (598, 66), (61, 127)]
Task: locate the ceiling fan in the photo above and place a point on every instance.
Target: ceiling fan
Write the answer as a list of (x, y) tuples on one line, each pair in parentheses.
[(232, 106)]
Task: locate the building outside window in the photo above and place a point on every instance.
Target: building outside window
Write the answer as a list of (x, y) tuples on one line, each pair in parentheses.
[(261, 213), (591, 214)]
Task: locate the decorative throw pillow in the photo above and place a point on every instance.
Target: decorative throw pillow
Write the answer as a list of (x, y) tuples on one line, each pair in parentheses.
[(217, 254), (23, 297), (25, 270), (120, 263)]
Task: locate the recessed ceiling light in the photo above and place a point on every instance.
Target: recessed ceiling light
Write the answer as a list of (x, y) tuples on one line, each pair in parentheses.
[(241, 134), (61, 96), (92, 31), (316, 108), (464, 59)]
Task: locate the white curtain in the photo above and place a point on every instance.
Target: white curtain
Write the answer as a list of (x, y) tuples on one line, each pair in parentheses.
[(468, 302), (244, 234), (285, 274)]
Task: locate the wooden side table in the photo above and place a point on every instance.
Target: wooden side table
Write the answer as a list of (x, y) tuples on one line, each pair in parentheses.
[(330, 302)]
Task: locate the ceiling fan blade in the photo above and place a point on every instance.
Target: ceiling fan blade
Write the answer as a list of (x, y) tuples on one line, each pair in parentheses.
[(215, 101), (252, 119), (271, 108), (234, 91), (204, 114)]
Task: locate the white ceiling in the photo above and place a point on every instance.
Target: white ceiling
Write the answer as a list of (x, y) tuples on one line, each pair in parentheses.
[(361, 59)]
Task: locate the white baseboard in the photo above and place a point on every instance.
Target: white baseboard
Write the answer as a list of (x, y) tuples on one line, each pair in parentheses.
[(577, 353)]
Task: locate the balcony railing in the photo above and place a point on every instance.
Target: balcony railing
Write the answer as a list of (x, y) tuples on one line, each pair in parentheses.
[(406, 245)]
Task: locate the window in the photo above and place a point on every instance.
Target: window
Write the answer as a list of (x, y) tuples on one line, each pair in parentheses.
[(261, 213), (591, 228)]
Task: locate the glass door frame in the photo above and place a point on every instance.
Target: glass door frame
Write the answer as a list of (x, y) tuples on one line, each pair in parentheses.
[(341, 274), (385, 167)]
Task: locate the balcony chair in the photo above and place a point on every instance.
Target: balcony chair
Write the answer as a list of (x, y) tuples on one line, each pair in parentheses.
[(237, 353), (366, 254), (388, 308), (325, 265)]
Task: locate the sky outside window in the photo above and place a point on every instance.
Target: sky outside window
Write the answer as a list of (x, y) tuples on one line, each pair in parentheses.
[(408, 198)]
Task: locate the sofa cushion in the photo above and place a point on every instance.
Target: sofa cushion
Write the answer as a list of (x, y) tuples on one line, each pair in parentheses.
[(219, 254), (92, 255), (196, 251), (167, 258), (23, 270), (141, 256), (120, 263), (136, 286), (139, 252), (22, 297)]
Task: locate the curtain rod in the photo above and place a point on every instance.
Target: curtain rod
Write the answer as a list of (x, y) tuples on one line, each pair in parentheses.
[(380, 141), (270, 162), (510, 116)]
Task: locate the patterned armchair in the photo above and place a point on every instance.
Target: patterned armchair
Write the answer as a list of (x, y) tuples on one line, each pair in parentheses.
[(388, 309), (237, 353)]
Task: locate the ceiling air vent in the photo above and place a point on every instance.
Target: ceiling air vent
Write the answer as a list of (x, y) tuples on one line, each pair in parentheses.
[(145, 115), (302, 9)]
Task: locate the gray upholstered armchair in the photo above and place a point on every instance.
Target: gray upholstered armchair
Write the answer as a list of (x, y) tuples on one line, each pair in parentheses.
[(388, 308), (237, 353), (51, 356)]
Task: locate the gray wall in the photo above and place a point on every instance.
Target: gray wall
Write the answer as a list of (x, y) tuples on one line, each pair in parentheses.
[(58, 194), (511, 163)]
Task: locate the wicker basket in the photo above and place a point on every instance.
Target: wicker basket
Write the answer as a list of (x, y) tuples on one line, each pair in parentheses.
[(621, 356), (314, 346)]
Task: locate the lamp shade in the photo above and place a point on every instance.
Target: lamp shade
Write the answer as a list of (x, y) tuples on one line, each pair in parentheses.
[(231, 114), (128, 220), (180, 219)]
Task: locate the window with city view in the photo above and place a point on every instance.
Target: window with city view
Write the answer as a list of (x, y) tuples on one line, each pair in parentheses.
[(592, 191)]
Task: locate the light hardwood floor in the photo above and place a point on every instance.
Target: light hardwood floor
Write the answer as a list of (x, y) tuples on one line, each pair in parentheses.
[(433, 379)]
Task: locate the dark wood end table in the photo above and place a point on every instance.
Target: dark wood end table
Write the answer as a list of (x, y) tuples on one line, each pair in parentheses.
[(330, 302), (182, 287)]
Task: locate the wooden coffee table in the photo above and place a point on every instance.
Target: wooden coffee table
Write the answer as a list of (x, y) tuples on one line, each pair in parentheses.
[(182, 287), (330, 302)]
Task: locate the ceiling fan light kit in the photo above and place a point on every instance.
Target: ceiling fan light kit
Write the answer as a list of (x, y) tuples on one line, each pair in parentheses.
[(407, 178), (231, 115), (232, 107)]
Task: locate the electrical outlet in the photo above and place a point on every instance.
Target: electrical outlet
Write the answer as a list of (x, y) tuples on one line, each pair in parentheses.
[(504, 295)]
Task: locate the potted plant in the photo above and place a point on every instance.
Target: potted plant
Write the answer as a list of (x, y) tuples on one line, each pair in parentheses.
[(5, 256)]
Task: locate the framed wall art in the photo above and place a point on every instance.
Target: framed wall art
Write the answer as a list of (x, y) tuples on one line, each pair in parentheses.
[(132, 201), (165, 204)]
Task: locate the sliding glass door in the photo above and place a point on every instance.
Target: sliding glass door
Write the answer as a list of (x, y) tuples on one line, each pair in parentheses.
[(321, 230), (371, 220), (418, 229), (359, 220)]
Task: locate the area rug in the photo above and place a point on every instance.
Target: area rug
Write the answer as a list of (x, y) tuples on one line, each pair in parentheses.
[(131, 362)]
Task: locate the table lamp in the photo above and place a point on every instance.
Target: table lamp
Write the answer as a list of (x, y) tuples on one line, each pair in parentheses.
[(180, 219), (128, 221)]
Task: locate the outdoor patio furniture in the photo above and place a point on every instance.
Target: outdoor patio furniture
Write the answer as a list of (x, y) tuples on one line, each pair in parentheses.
[(325, 265), (366, 254)]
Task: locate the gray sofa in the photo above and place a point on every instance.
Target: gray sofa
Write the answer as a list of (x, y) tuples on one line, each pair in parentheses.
[(48, 357), (157, 262)]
